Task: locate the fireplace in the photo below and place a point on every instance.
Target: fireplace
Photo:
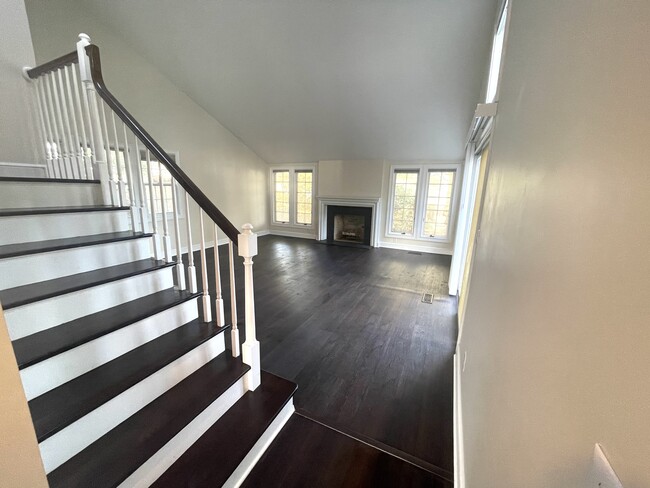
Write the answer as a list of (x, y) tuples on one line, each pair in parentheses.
[(349, 221), (349, 225)]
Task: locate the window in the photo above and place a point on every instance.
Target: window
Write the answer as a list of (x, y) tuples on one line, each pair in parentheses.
[(292, 194), (438, 206), (304, 197), (421, 202), (497, 55)]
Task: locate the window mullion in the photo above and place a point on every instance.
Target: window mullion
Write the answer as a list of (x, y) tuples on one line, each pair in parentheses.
[(420, 202)]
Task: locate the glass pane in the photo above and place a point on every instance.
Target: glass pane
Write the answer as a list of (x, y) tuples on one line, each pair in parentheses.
[(304, 197), (281, 195), (438, 208), (404, 197)]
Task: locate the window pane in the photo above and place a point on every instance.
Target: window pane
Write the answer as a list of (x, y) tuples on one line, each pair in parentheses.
[(404, 199), (438, 209), (281, 196), (303, 197)]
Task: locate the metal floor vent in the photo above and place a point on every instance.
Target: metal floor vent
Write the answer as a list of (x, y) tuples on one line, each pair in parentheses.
[(427, 297)]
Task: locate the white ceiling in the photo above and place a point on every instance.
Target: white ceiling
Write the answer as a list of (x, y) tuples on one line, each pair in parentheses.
[(307, 80)]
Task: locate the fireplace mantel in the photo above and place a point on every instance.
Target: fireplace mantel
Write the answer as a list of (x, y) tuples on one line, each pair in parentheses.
[(372, 202)]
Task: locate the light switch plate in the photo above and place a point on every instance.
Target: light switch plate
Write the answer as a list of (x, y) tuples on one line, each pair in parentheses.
[(602, 474)]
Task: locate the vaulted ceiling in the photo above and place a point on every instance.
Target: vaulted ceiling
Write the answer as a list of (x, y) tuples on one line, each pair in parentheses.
[(306, 80)]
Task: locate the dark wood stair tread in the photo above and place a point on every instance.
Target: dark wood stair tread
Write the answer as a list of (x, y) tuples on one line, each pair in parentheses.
[(22, 249), (25, 294), (58, 408), (11, 212), (31, 179), (50, 342), (115, 456), (235, 433)]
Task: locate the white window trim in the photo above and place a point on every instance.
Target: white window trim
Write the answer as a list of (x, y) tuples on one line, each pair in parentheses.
[(293, 168), (420, 201), (494, 72), (180, 192)]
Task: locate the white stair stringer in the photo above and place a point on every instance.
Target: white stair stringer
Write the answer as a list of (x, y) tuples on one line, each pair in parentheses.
[(248, 463), (44, 314), (32, 268), (17, 229), (28, 194), (63, 445), (156, 465), (50, 373)]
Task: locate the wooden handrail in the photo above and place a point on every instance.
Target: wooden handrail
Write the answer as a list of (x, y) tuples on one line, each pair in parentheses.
[(188, 185), (55, 64)]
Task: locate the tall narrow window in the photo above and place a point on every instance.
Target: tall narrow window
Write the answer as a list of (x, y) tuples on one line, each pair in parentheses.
[(281, 196), (438, 204), (404, 201), (304, 193), (497, 55), (157, 172)]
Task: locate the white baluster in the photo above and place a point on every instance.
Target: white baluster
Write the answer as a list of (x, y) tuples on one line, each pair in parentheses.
[(131, 180), (121, 178), (207, 306), (180, 267), (46, 134), (234, 331), (55, 125), (191, 270), (75, 126), (157, 252), (90, 102), (59, 103), (166, 240), (247, 247), (217, 276), (112, 177), (75, 164), (82, 124), (139, 181)]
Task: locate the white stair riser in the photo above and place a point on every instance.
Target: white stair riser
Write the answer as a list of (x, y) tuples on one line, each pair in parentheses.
[(248, 463), (157, 464), (34, 317), (32, 268), (32, 228), (55, 371), (63, 445), (16, 194)]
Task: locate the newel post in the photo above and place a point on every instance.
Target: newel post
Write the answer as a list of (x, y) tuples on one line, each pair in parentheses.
[(247, 247), (100, 164)]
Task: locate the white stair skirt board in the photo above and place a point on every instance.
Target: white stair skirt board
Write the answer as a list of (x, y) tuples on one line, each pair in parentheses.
[(34, 317), (23, 170), (32, 268), (25, 194), (248, 463), (157, 464), (63, 445), (31, 228), (459, 449), (55, 371)]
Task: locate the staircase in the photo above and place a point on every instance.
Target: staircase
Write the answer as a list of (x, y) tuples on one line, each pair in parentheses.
[(127, 375)]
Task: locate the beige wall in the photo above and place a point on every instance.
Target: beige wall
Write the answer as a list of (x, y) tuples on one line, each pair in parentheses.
[(20, 460), (557, 332), (16, 51), (231, 174)]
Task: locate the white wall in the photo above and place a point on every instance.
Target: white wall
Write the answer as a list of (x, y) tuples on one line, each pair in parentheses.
[(556, 331), (231, 174), (16, 51)]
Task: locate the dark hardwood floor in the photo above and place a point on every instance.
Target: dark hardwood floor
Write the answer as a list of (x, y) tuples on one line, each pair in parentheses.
[(349, 327), (330, 459)]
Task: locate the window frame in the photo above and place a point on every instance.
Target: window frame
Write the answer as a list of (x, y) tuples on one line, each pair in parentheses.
[(495, 66), (423, 170), (293, 169)]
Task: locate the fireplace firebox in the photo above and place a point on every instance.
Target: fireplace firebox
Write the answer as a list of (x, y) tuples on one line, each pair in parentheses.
[(349, 225)]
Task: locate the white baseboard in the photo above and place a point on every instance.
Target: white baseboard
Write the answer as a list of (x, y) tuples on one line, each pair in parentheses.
[(248, 463), (459, 449), (416, 247), (289, 233)]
